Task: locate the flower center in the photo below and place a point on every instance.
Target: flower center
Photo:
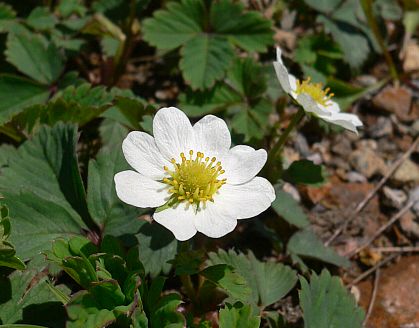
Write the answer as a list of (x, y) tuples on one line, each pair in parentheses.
[(194, 180), (315, 90)]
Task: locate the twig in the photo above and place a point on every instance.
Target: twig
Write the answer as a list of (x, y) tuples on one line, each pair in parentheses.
[(371, 194), (397, 216), (402, 249), (373, 297), (369, 271)]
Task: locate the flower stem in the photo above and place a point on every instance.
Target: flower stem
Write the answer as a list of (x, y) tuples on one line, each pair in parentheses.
[(284, 136), (276, 149), (368, 10)]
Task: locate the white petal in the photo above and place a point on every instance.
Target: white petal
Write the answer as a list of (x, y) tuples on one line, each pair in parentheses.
[(345, 120), (173, 132), (312, 106), (333, 106), (242, 163), (282, 73), (213, 223), (138, 190), (141, 152), (246, 200), (179, 220), (212, 136)]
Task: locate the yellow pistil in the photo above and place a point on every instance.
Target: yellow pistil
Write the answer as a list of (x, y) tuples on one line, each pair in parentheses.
[(194, 180), (315, 90)]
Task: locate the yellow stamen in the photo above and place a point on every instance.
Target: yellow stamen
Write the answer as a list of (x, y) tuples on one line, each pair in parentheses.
[(315, 91), (194, 180)]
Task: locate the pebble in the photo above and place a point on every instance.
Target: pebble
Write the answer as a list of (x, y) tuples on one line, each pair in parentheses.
[(408, 224), (407, 172), (383, 127), (394, 197), (395, 100), (367, 162), (354, 176)]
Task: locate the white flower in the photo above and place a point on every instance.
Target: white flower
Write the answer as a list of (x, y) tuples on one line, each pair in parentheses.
[(313, 98), (207, 185)]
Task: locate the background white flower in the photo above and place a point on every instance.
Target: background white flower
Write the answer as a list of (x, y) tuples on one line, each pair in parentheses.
[(313, 98), (209, 185)]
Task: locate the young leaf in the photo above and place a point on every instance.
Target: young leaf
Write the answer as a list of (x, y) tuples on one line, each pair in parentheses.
[(288, 208), (326, 303), (41, 19), (48, 205), (226, 278), (18, 93), (34, 56), (305, 243), (238, 316), (268, 281)]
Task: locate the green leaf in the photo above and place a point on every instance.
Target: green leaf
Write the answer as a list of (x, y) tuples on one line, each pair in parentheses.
[(109, 213), (34, 56), (165, 312), (238, 316), (27, 300), (268, 281), (326, 303), (305, 243), (41, 19), (7, 15), (226, 278), (252, 122), (205, 60), (48, 205), (156, 246), (112, 133), (21, 326), (325, 6), (289, 209), (352, 41), (18, 93), (206, 32), (305, 172), (78, 104), (388, 9)]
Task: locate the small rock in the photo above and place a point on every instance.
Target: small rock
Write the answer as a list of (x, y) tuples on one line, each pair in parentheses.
[(316, 158), (355, 177), (289, 188), (342, 146), (301, 145), (367, 162), (383, 127), (414, 129), (411, 57), (395, 100), (408, 224), (394, 197), (407, 172), (414, 197)]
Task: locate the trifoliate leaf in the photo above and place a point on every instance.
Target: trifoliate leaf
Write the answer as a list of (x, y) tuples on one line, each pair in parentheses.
[(238, 316), (326, 303), (207, 48), (34, 56), (306, 244), (268, 281)]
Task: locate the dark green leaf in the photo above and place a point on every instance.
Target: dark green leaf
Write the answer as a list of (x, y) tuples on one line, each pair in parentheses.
[(326, 303), (34, 56), (41, 19), (289, 209), (306, 244), (305, 172), (48, 205), (268, 281), (16, 94)]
